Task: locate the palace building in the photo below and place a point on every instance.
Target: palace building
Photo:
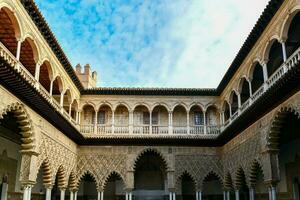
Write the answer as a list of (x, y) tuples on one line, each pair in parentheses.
[(61, 137)]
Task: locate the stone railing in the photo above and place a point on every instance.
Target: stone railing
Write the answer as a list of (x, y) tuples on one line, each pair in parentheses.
[(91, 130), (280, 72), (18, 67)]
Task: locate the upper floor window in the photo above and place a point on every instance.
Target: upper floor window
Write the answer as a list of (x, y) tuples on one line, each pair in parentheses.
[(198, 118), (101, 117)]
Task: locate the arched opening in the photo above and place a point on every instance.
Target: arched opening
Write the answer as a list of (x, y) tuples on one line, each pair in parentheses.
[(9, 30), (179, 120), (74, 109), (10, 157), (67, 100), (234, 102), (45, 76), (160, 120), (187, 188), (289, 154), (241, 184), (43, 179), (293, 40), (212, 120), (87, 187), (141, 120), (257, 79), (257, 182), (29, 55), (104, 120), (114, 187), (226, 110), (244, 90), (87, 119), (150, 164), (121, 120), (57, 89), (275, 57), (59, 184), (196, 120), (212, 187)]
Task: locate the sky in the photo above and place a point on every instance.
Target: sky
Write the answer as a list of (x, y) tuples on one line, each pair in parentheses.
[(153, 43)]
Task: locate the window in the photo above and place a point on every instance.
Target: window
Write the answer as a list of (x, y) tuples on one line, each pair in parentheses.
[(198, 118), (155, 118), (101, 117), (146, 118)]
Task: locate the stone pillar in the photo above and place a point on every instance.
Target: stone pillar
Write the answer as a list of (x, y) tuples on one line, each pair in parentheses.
[(131, 122), (250, 92), (27, 192), (273, 192), (126, 196), (204, 122), (265, 72), (71, 195), (4, 189), (251, 194), (19, 45), (99, 195), (237, 195), (75, 195), (95, 122), (150, 123), (48, 192), (283, 51), (188, 121), (228, 195), (174, 196), (170, 195), (270, 193), (62, 194), (170, 122), (230, 110), (62, 99), (224, 195), (51, 87), (197, 197), (113, 122), (200, 195), (102, 195), (37, 71), (130, 195), (239, 102)]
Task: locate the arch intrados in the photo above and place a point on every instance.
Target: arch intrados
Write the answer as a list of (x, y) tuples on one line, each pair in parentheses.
[(13, 18), (268, 47), (287, 22), (49, 68), (88, 104), (162, 105), (46, 172), (87, 173), (141, 105), (196, 105), (211, 106), (243, 80), (252, 69), (103, 105), (214, 174), (179, 105), (232, 93), (240, 176), (122, 105), (186, 174), (153, 151), (60, 83), (111, 174), (34, 48)]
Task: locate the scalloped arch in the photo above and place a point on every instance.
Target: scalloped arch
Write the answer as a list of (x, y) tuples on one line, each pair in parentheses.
[(25, 124), (112, 173)]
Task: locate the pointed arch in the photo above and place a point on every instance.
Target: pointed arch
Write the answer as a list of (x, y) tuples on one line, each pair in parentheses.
[(84, 173), (46, 75), (47, 172), (25, 124), (240, 178), (228, 183), (212, 174), (186, 173), (29, 56)]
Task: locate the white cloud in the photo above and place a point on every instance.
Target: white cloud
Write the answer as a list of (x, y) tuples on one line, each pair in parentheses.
[(154, 44)]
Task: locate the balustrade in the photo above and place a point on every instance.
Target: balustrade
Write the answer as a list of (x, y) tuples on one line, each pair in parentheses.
[(18, 66), (160, 130), (197, 130)]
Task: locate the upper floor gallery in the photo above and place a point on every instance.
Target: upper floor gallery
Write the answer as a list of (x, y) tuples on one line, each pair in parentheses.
[(31, 50)]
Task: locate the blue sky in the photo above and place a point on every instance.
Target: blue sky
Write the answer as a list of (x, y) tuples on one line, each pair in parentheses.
[(153, 43)]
